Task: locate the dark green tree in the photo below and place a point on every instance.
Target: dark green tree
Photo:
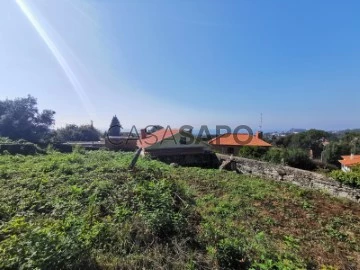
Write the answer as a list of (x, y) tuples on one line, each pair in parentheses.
[(77, 133), (21, 119), (334, 151), (311, 139), (115, 127)]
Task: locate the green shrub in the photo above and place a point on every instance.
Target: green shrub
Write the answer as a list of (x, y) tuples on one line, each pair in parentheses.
[(253, 152), (351, 178), (298, 158), (293, 157), (87, 210), (275, 155), (231, 255), (20, 148)]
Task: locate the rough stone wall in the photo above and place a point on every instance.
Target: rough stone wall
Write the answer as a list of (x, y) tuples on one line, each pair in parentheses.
[(206, 160), (295, 176)]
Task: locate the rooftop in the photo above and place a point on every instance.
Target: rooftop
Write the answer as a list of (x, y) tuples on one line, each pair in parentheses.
[(351, 160), (232, 139), (156, 137)]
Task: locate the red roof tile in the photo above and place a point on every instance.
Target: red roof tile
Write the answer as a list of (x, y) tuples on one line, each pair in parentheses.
[(350, 161), (156, 137), (231, 139)]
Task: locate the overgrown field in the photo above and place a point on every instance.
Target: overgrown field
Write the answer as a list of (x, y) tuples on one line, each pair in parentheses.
[(87, 210)]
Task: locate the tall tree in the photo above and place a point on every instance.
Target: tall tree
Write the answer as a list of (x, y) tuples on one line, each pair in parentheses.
[(21, 119), (115, 127)]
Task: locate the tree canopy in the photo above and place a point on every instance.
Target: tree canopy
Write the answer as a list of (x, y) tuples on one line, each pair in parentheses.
[(77, 133), (21, 119), (311, 139)]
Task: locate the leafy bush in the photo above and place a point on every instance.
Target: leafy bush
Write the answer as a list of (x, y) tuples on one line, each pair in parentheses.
[(253, 152), (20, 148), (299, 159), (351, 178), (293, 157), (4, 140), (76, 133), (58, 218), (86, 210), (275, 155)]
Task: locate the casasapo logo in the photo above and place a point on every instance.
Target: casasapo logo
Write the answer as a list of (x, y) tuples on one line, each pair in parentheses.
[(185, 131)]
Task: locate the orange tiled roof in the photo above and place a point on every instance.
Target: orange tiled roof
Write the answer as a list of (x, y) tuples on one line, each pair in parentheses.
[(231, 139), (349, 157), (156, 137), (350, 161)]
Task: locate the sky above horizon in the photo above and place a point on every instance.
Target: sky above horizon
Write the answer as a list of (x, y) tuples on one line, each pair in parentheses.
[(185, 62)]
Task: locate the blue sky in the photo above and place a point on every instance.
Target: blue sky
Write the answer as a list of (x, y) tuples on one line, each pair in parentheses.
[(185, 62)]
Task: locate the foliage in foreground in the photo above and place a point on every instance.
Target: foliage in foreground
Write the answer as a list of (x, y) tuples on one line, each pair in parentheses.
[(351, 178), (86, 210)]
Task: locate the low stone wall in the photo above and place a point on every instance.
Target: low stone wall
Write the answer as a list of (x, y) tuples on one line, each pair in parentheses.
[(20, 148), (295, 176), (205, 160)]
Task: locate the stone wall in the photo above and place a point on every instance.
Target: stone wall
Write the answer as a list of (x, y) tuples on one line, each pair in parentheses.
[(205, 160), (295, 176), (20, 148)]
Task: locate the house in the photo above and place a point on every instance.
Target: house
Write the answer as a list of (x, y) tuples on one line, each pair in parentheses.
[(117, 140), (230, 143), (121, 143), (349, 161), (170, 142), (173, 146)]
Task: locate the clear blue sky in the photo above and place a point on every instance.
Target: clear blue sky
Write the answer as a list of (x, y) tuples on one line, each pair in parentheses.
[(185, 62)]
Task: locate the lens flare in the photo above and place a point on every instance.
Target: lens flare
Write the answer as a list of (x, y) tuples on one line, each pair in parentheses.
[(59, 58)]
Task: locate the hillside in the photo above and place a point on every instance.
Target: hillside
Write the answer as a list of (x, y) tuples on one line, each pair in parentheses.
[(87, 210)]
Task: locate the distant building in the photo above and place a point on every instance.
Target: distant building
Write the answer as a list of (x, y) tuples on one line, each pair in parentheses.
[(117, 140), (230, 143), (169, 142), (171, 146), (121, 143), (349, 161)]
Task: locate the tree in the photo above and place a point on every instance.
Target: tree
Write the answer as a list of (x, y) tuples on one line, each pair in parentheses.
[(311, 139), (335, 150), (77, 133), (115, 127), (298, 158), (21, 119)]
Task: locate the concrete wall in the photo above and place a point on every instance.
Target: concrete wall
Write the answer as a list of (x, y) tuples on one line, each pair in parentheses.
[(291, 175)]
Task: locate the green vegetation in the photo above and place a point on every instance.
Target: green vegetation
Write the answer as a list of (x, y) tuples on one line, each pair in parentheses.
[(21, 119), (351, 178), (294, 157), (310, 139), (115, 127), (8, 146), (326, 146), (87, 210), (76, 133)]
